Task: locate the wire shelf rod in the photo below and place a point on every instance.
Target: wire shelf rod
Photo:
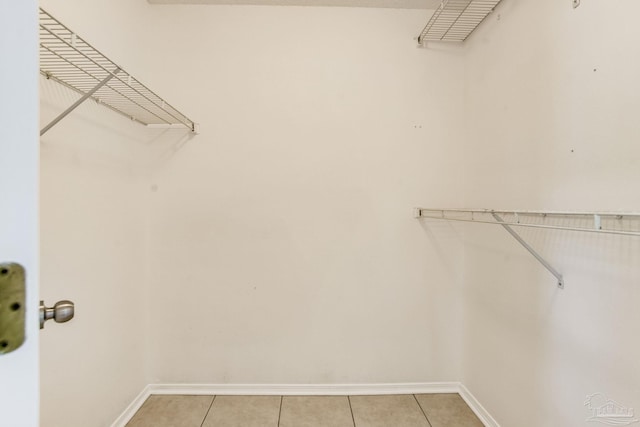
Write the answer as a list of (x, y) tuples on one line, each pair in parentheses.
[(596, 217), (537, 212)]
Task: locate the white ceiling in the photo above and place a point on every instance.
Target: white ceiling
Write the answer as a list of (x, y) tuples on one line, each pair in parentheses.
[(396, 4)]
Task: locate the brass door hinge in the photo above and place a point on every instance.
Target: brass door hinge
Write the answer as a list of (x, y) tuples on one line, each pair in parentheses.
[(12, 307)]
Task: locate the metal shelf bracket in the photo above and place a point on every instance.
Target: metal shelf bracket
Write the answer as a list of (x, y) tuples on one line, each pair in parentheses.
[(79, 101), (532, 251)]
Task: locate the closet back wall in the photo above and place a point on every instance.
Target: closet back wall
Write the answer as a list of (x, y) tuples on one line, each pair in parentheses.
[(283, 248)]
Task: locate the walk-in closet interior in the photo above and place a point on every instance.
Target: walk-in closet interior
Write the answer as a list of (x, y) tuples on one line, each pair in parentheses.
[(340, 198)]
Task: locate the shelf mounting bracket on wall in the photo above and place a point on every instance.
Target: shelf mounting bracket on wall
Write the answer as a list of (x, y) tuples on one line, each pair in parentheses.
[(79, 101), (69, 60), (532, 251)]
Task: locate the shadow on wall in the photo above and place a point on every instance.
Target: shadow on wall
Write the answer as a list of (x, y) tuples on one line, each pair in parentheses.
[(102, 137), (437, 231)]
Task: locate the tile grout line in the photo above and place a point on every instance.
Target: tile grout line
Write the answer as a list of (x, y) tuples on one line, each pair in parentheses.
[(353, 418), (280, 411), (421, 409), (208, 410)]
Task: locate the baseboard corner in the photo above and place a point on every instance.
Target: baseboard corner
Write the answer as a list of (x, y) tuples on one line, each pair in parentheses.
[(477, 408), (133, 407)]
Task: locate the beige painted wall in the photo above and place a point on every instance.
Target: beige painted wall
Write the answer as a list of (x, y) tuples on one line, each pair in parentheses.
[(552, 102), (93, 252), (283, 248)]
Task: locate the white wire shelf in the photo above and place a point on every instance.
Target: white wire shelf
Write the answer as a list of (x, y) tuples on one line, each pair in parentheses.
[(69, 60), (621, 223), (455, 20)]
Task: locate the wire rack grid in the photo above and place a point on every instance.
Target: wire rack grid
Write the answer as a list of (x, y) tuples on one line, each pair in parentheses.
[(69, 60), (455, 20)]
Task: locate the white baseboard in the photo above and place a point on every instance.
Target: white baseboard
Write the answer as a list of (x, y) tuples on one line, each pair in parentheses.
[(303, 389), (131, 410), (307, 390), (477, 407)]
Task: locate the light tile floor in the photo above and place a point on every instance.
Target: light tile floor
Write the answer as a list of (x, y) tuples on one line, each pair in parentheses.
[(407, 410)]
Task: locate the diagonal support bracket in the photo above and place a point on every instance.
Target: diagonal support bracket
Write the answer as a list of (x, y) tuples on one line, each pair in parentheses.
[(75, 105), (532, 251)]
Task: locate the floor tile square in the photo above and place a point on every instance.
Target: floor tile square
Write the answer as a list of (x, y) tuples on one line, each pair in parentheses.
[(315, 411), (385, 411), (244, 411), (172, 411), (444, 410)]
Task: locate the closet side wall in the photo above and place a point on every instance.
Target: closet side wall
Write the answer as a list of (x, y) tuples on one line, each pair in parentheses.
[(93, 229), (92, 246), (283, 244), (552, 103)]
